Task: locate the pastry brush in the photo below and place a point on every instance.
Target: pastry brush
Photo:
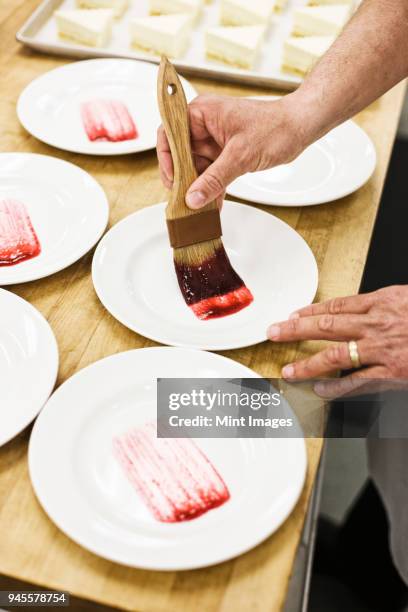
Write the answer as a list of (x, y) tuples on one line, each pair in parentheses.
[(208, 282)]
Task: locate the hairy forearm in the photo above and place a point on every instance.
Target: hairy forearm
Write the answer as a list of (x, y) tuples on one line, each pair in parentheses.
[(233, 136), (369, 57)]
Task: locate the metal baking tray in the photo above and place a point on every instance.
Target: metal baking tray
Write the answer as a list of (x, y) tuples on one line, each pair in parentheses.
[(40, 33)]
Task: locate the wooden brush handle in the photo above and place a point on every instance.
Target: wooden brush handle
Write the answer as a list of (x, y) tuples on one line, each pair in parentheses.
[(174, 114)]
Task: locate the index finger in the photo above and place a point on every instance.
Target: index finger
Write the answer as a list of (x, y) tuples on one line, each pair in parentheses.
[(354, 304), (325, 327), (164, 157)]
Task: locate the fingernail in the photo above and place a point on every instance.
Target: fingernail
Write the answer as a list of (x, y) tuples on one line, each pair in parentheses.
[(274, 332), (320, 388), (195, 199), (168, 177), (294, 315), (288, 371), (168, 183)]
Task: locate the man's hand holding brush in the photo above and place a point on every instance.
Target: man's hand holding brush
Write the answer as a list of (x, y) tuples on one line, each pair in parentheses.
[(232, 136)]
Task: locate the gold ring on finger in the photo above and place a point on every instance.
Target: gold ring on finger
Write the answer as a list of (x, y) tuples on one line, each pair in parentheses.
[(354, 354)]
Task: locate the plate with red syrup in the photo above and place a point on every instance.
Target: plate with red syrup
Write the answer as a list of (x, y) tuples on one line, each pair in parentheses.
[(110, 484), (28, 364), (265, 272), (51, 214), (95, 107)]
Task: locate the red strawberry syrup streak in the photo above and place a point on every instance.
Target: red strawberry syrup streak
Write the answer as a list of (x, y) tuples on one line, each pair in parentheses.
[(108, 120), (18, 240), (173, 477), (213, 289)]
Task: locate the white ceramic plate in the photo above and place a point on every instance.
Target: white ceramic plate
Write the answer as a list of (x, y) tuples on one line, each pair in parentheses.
[(49, 107), (83, 490), (28, 364), (68, 209), (335, 166), (134, 277)]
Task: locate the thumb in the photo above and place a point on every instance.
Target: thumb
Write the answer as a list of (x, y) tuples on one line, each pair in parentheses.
[(213, 182)]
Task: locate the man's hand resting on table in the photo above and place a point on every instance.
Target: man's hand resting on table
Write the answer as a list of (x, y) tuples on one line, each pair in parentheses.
[(377, 321)]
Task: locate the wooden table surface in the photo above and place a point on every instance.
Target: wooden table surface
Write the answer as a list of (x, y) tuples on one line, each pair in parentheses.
[(31, 548)]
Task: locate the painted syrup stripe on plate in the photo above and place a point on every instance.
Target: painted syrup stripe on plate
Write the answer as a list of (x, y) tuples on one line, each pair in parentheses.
[(174, 478), (108, 120), (18, 240), (212, 288)]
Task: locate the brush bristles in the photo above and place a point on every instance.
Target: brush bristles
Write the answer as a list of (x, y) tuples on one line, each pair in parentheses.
[(208, 282), (195, 254)]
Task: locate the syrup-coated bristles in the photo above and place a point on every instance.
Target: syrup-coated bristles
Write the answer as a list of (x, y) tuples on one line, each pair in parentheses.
[(208, 282)]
